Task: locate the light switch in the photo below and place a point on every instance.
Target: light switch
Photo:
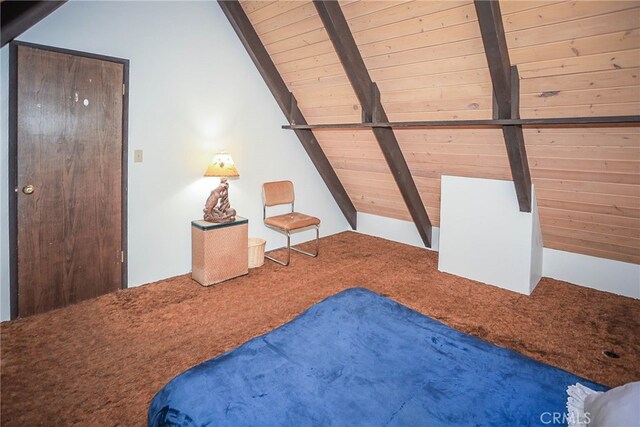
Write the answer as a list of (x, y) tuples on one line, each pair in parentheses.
[(137, 156)]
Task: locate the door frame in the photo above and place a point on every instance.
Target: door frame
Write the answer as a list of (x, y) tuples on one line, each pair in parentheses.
[(13, 160)]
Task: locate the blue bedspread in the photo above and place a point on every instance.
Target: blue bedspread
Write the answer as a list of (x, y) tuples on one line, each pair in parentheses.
[(360, 359)]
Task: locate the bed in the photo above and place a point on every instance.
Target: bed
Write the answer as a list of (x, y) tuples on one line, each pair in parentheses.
[(360, 359)]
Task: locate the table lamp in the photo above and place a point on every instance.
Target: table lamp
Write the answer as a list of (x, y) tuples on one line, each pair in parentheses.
[(217, 208)]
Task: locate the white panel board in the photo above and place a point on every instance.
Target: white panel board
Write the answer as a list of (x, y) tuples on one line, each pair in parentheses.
[(537, 244), (484, 236)]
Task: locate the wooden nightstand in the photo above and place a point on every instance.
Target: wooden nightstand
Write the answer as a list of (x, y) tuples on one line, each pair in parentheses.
[(219, 251)]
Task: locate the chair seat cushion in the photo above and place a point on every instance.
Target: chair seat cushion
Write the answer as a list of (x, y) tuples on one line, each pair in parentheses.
[(291, 221)]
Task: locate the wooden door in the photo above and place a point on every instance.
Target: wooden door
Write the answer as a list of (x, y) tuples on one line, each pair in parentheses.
[(70, 111)]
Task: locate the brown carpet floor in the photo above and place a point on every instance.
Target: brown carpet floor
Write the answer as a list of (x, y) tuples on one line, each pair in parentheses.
[(100, 362)]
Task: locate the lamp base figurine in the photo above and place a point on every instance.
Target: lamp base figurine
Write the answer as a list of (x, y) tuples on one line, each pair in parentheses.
[(217, 208)]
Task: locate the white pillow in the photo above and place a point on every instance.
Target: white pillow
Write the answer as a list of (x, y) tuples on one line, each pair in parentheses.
[(575, 405), (618, 407)]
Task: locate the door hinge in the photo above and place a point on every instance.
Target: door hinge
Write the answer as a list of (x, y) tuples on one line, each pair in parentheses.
[(121, 256), (124, 88)]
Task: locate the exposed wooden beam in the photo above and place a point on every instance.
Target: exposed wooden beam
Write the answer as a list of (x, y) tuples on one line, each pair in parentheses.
[(497, 52), (372, 110), (506, 94), (288, 104), (515, 93), (497, 123), (514, 139), (19, 16)]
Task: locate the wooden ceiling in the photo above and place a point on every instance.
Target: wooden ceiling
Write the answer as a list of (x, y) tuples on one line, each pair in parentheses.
[(428, 61), (575, 59)]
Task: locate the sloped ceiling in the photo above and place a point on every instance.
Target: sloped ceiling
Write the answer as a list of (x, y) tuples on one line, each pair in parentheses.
[(19, 16), (575, 59)]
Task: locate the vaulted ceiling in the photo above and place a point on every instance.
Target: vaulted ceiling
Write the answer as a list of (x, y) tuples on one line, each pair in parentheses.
[(428, 60), (575, 59)]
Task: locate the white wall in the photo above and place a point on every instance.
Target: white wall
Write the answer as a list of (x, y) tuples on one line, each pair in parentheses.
[(193, 90), (4, 188), (395, 229), (621, 278), (484, 236)]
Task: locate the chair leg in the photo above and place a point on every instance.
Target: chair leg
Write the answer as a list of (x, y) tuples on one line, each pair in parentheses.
[(317, 245), (277, 261), (290, 248)]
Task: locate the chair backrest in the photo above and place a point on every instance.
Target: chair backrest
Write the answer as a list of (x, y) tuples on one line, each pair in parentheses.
[(277, 193)]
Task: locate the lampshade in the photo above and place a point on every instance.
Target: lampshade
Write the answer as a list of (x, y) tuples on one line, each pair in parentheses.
[(222, 165)]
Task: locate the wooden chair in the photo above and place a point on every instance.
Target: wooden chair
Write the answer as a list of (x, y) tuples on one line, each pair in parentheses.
[(282, 193)]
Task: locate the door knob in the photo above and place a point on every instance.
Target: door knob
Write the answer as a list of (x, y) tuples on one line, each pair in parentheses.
[(28, 189)]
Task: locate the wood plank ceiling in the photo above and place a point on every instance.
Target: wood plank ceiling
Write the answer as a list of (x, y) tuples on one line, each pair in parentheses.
[(575, 58)]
